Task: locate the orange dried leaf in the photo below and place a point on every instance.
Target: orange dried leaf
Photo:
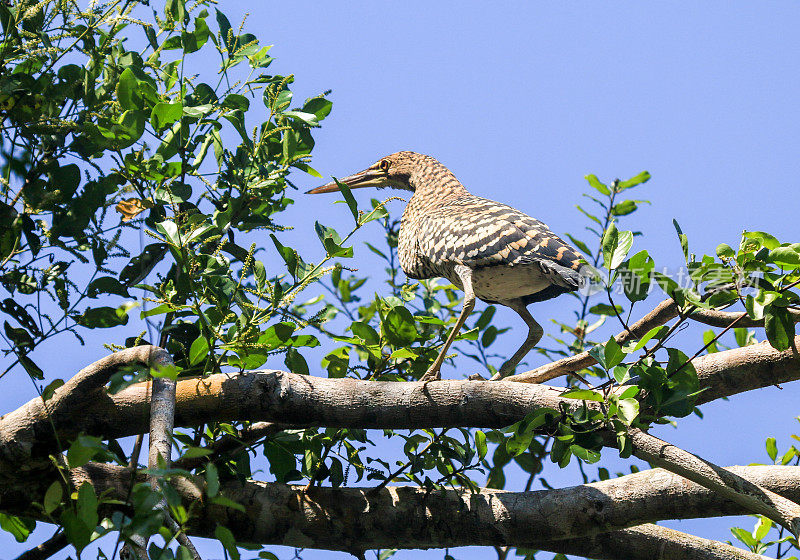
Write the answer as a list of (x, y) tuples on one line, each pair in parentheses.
[(132, 207)]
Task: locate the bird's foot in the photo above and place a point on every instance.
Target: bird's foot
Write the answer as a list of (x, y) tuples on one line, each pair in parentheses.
[(433, 374)]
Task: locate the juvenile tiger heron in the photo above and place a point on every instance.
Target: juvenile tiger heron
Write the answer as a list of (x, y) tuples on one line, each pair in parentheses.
[(489, 250)]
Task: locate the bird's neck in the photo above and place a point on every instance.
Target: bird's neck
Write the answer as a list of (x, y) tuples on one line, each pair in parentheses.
[(432, 181)]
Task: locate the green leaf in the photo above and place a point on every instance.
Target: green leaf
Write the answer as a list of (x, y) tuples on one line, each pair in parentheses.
[(765, 239), (128, 91), (319, 107), (779, 327), (604, 309), (628, 410), (53, 497), (30, 367), (586, 455), (624, 208), (580, 245), (486, 317), (225, 536), (787, 256), (198, 351), (398, 327), (615, 245), (683, 240), (636, 276), (212, 480), (19, 527), (613, 353), (761, 530), (642, 177), (101, 318), (83, 449), (743, 536), (50, 389), (140, 266), (644, 340), (598, 352), (348, 197), (583, 395), (19, 313), (23, 342), (295, 361), (595, 183), (106, 285), (87, 506), (725, 251), (165, 114), (480, 444), (195, 452), (306, 118), (365, 332), (772, 448), (281, 461)]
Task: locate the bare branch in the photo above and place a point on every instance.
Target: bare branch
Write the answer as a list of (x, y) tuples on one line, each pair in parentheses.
[(660, 315), (162, 422), (754, 498), (280, 397), (45, 550), (647, 542), (357, 518)]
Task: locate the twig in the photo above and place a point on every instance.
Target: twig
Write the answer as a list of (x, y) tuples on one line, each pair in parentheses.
[(45, 550), (231, 445), (663, 313)]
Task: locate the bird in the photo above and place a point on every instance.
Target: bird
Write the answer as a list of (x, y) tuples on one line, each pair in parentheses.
[(491, 251)]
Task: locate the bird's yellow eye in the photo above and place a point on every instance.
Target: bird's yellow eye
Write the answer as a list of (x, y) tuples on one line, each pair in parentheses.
[(385, 165)]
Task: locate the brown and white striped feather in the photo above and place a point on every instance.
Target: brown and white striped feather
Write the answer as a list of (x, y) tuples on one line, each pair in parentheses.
[(511, 254)]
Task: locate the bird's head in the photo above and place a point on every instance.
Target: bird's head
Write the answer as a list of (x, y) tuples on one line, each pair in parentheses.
[(396, 170)]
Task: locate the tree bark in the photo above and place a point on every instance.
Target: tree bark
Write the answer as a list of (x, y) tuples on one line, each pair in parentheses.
[(660, 315), (567, 520), (276, 396)]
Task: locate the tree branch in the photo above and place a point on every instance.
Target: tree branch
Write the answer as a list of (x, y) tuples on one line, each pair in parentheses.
[(45, 550), (660, 315), (648, 542), (562, 520), (729, 485), (280, 397)]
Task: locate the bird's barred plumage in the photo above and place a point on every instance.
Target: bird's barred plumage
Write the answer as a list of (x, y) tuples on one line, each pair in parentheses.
[(445, 225), (492, 251)]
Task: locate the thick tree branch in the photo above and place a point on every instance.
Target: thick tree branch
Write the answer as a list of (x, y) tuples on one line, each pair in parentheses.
[(562, 520), (650, 542), (729, 485), (274, 396), (660, 315)]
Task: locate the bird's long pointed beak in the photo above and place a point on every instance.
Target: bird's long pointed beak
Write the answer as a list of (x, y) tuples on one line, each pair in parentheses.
[(360, 180)]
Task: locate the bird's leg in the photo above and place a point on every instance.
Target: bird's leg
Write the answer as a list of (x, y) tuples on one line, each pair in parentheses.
[(465, 274), (535, 333)]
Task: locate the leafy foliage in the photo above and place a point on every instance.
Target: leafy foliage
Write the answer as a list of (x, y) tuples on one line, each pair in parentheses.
[(114, 131)]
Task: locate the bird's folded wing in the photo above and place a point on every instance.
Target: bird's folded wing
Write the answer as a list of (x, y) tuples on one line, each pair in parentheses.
[(480, 233)]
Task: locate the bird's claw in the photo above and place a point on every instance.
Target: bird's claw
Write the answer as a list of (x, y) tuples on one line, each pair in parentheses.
[(431, 375)]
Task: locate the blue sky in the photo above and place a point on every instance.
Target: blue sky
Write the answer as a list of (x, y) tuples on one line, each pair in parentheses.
[(522, 99)]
